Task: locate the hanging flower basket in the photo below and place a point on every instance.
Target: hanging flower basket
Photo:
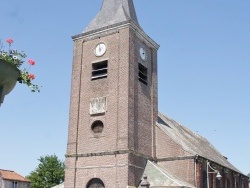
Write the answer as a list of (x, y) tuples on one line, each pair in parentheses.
[(11, 70), (8, 78)]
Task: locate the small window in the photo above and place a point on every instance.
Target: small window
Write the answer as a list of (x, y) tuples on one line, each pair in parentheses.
[(99, 70), (143, 74), (14, 184), (97, 127)]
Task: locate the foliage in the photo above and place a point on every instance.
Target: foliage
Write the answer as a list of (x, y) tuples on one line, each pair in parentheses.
[(17, 59), (50, 172)]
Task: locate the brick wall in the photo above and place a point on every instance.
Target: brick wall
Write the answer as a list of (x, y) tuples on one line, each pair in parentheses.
[(167, 147), (130, 117), (229, 178), (9, 184), (184, 169)]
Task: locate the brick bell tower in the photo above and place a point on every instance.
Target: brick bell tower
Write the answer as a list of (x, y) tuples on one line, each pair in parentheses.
[(113, 105)]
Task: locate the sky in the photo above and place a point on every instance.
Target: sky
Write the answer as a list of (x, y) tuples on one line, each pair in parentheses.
[(203, 73)]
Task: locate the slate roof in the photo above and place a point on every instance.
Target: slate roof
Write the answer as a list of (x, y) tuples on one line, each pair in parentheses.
[(159, 177), (113, 12), (11, 175), (192, 142)]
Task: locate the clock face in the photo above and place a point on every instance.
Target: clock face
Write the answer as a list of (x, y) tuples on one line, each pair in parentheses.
[(100, 49), (143, 54)]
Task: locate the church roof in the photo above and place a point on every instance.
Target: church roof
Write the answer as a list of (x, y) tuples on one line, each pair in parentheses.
[(113, 12), (192, 142), (11, 175), (159, 177)]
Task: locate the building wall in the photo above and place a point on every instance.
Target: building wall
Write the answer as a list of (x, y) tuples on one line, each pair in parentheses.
[(167, 147), (184, 169), (9, 184), (229, 179), (174, 158)]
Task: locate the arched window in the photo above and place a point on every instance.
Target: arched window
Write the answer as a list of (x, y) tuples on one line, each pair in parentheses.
[(95, 183), (228, 183), (217, 183), (204, 179), (242, 184)]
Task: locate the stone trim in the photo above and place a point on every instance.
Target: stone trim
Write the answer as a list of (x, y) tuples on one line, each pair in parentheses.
[(129, 152), (111, 153), (113, 29), (109, 166), (176, 158)]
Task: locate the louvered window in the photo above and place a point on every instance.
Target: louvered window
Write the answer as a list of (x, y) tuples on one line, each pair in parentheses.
[(143, 74), (99, 70)]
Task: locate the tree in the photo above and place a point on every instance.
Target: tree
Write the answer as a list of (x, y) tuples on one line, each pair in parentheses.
[(248, 176), (50, 172)]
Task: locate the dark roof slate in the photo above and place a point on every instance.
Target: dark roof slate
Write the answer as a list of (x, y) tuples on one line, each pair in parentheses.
[(112, 13), (192, 142), (159, 177)]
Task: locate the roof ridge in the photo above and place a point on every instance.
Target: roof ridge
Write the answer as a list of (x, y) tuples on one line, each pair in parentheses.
[(12, 175), (6, 170)]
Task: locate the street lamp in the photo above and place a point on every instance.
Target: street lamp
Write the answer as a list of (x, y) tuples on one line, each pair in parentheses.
[(218, 176)]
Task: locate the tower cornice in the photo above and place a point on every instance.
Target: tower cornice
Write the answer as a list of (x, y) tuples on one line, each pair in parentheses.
[(101, 32)]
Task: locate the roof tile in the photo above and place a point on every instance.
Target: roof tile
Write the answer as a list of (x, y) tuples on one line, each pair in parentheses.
[(11, 175)]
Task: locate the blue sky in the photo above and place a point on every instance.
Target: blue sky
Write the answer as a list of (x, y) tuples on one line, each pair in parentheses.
[(203, 63)]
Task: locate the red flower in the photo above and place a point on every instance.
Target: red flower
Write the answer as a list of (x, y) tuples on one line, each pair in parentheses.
[(31, 76), (9, 40), (31, 62)]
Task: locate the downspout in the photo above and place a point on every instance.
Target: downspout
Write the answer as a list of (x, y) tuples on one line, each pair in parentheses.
[(195, 170), (207, 175)]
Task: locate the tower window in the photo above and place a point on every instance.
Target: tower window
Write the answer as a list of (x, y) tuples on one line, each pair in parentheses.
[(97, 127), (99, 70), (143, 74), (95, 183)]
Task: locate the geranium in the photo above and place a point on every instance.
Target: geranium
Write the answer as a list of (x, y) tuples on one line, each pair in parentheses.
[(17, 59), (9, 40)]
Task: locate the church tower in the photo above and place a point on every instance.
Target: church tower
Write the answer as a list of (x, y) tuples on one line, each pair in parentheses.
[(113, 104)]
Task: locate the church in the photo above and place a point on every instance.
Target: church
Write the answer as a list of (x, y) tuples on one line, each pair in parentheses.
[(116, 136)]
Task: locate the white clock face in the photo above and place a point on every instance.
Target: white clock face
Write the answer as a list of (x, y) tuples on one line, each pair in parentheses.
[(100, 49), (143, 54)]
